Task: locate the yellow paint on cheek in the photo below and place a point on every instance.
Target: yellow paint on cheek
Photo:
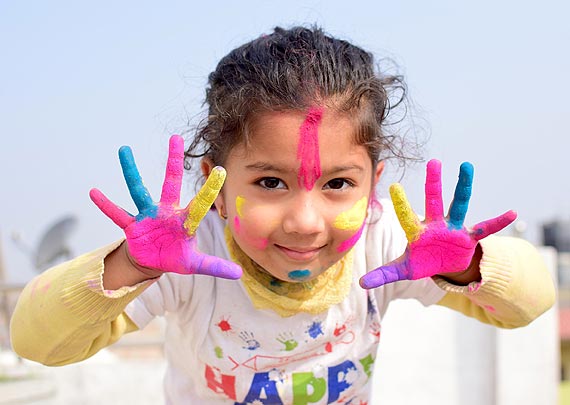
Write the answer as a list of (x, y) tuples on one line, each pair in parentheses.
[(352, 219), (240, 201)]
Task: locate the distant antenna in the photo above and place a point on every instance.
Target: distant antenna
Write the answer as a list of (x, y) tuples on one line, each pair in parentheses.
[(53, 244)]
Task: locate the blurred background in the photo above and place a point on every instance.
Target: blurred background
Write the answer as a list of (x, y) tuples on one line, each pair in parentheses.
[(488, 83)]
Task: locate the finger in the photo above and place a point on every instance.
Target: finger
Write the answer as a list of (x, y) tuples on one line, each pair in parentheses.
[(138, 191), (460, 203), (408, 219), (115, 213), (200, 205), (384, 275), (174, 171), (434, 202), (214, 266), (486, 228)]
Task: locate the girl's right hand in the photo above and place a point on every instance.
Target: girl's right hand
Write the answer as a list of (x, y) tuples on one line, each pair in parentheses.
[(161, 237)]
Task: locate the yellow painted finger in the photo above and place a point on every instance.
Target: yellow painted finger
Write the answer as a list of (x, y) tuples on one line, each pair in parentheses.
[(409, 221), (201, 204)]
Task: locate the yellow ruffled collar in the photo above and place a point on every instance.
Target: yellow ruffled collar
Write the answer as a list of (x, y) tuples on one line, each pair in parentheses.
[(287, 299)]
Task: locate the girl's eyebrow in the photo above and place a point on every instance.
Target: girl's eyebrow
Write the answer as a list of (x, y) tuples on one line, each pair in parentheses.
[(266, 166), (343, 168)]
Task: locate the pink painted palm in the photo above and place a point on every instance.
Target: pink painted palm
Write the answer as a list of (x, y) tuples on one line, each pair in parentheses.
[(438, 245), (162, 236)]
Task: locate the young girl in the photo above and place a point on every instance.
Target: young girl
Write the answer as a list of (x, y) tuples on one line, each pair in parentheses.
[(278, 297)]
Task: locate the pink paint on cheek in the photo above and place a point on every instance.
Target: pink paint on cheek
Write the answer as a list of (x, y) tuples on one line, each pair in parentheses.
[(308, 149), (258, 243), (350, 242)]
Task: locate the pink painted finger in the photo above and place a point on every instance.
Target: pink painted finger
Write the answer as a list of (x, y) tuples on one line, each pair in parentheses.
[(174, 171), (494, 225), (201, 263), (434, 201), (115, 213)]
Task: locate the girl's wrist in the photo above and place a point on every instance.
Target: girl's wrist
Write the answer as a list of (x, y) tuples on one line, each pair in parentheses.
[(145, 271), (121, 270)]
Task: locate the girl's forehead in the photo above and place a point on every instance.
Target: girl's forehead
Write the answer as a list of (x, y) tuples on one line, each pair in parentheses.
[(294, 124), (283, 133)]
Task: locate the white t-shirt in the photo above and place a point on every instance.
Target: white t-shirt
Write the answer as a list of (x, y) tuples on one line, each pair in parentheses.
[(222, 350)]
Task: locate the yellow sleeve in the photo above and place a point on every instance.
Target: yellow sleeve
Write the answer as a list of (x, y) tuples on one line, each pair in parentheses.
[(64, 315), (515, 286)]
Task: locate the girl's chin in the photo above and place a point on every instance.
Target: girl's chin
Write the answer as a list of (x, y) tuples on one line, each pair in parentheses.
[(296, 276)]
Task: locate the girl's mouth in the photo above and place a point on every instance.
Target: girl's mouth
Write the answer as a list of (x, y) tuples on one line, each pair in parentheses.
[(300, 254)]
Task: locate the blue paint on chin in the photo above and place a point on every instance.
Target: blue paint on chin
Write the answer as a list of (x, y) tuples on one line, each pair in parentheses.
[(299, 274)]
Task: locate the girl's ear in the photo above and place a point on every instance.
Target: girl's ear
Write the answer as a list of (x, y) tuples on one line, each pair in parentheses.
[(378, 172), (206, 165)]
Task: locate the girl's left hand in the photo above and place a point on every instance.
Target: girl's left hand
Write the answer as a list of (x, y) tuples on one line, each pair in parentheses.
[(438, 245)]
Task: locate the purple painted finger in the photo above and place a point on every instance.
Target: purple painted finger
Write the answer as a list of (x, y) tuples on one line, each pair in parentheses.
[(201, 263), (434, 201), (115, 213), (174, 172), (494, 225), (384, 275)]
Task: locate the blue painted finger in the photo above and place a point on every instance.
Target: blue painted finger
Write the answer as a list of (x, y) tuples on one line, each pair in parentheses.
[(138, 191), (460, 203)]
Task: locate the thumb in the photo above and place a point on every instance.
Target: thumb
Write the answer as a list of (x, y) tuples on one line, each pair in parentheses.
[(200, 263), (389, 273)]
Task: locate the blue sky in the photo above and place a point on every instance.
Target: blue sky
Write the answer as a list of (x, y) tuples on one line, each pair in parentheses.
[(488, 81)]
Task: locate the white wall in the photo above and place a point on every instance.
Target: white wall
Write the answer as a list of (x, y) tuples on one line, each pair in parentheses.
[(437, 356)]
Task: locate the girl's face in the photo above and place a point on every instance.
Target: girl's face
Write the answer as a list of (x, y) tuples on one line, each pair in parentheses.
[(296, 197)]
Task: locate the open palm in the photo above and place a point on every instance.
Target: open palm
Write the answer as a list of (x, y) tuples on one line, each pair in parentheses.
[(162, 236), (439, 244)]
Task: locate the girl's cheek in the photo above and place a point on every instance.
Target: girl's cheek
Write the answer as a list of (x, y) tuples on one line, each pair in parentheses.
[(351, 220), (350, 242), (249, 223)]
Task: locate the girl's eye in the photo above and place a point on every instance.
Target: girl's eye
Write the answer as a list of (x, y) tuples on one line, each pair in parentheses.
[(338, 184), (271, 183)]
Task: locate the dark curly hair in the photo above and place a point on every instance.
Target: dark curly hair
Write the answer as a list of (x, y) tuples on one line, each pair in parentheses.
[(295, 69)]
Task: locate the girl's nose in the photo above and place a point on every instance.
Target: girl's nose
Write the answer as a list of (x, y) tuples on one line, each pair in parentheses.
[(304, 217)]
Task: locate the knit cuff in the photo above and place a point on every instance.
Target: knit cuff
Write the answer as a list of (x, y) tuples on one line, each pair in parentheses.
[(496, 268), (83, 291)]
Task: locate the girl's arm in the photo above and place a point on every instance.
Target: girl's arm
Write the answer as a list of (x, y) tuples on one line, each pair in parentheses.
[(514, 288), (65, 315), (73, 310), (505, 279)]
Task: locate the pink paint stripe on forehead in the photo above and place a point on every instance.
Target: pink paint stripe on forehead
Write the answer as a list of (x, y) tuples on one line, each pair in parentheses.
[(308, 149)]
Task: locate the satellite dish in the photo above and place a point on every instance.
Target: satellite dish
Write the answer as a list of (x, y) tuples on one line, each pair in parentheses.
[(53, 244)]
